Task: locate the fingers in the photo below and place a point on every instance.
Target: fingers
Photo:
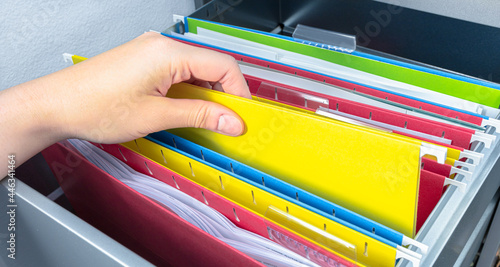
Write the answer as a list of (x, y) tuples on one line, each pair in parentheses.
[(211, 66), (201, 83), (175, 113)]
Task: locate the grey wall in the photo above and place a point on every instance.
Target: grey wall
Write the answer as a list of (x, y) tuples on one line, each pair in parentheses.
[(34, 33)]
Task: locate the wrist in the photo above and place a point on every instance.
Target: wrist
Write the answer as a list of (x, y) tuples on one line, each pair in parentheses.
[(23, 134)]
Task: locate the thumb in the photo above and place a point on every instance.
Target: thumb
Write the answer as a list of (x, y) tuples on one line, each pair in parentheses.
[(177, 113)]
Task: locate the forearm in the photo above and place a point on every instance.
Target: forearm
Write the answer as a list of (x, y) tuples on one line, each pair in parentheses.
[(27, 124), (61, 105)]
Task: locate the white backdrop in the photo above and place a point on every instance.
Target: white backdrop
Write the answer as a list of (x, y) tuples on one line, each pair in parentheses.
[(34, 33)]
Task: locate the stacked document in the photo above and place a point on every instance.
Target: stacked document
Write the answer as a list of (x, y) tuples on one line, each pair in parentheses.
[(344, 158)]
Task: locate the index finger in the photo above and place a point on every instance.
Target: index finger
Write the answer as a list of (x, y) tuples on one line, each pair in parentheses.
[(212, 66)]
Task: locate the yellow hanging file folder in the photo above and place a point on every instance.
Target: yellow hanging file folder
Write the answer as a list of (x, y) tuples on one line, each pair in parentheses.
[(352, 244), (374, 174), (370, 172)]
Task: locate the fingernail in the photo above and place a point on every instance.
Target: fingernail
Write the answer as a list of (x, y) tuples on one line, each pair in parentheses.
[(229, 125)]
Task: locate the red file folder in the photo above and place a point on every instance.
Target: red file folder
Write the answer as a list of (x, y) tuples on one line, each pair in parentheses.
[(245, 219), (435, 167), (144, 226), (460, 136), (177, 251), (351, 86), (430, 192)]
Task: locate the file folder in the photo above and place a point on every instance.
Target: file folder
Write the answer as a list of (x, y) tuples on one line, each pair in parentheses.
[(189, 209), (444, 169), (430, 191), (272, 185), (440, 83), (299, 146), (367, 250), (478, 120), (432, 186), (468, 118), (77, 59), (137, 222), (460, 136), (237, 214)]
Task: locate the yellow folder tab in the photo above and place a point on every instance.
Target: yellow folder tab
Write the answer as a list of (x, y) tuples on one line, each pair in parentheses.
[(351, 244), (453, 153), (77, 59), (370, 172)]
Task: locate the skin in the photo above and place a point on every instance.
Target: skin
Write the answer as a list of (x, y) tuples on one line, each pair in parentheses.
[(119, 96)]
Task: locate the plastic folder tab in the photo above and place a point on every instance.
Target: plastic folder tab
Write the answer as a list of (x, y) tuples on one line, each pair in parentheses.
[(251, 197), (484, 95), (77, 59), (369, 172)]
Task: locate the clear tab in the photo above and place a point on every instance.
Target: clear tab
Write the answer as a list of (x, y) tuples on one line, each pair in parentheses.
[(333, 40), (434, 150), (461, 186), (471, 155), (466, 174), (290, 96), (329, 113), (465, 165), (320, 236), (491, 122)]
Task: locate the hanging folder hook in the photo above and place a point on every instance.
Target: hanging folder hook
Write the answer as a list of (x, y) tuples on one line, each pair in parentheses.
[(483, 139), (424, 248), (461, 186), (402, 255), (434, 150), (467, 174)]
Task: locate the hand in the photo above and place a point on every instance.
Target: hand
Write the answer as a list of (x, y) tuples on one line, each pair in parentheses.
[(119, 96)]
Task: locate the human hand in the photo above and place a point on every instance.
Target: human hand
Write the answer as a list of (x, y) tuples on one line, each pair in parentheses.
[(119, 95)]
